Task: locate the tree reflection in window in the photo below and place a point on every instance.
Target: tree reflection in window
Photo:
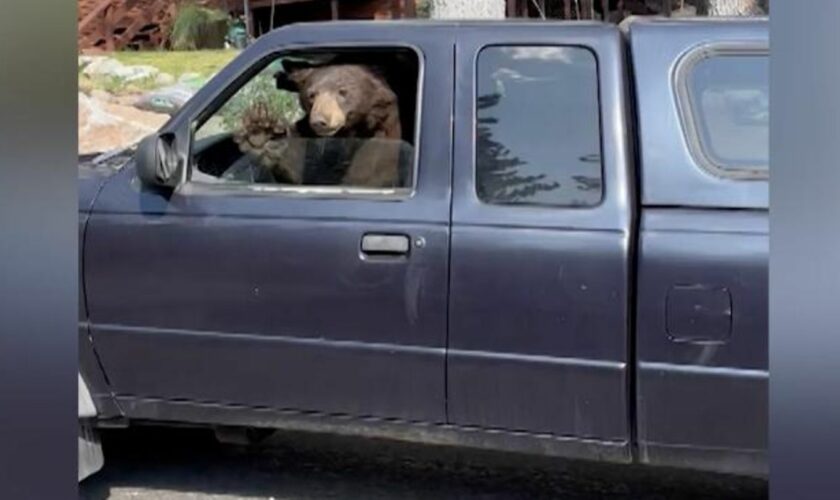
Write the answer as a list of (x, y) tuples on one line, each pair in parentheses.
[(499, 180), (538, 126)]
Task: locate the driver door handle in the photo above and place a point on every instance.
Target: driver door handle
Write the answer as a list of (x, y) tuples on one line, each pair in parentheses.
[(385, 244)]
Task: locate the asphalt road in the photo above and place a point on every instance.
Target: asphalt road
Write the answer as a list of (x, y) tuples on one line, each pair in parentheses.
[(154, 463)]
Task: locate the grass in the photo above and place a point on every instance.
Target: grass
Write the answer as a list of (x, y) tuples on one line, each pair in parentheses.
[(114, 85), (176, 63), (205, 63)]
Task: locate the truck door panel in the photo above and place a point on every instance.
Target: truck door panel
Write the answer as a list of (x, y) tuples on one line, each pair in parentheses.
[(222, 295), (539, 276)]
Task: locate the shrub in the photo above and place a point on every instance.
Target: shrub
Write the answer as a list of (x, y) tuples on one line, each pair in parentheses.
[(261, 89), (424, 9), (198, 27)]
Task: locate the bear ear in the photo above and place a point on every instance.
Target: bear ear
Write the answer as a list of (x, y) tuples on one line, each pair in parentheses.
[(293, 74), (283, 81)]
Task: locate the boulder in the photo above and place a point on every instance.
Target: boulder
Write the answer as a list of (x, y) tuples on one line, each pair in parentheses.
[(85, 60), (103, 66), (139, 72), (108, 67), (165, 100), (164, 79)]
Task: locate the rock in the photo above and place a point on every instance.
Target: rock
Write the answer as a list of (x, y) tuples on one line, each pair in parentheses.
[(109, 67), (86, 85), (139, 72), (130, 89), (103, 66), (164, 79), (84, 60), (104, 126), (91, 113), (165, 100), (101, 95)]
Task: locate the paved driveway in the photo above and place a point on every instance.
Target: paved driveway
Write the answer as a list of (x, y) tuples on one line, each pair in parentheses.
[(150, 463)]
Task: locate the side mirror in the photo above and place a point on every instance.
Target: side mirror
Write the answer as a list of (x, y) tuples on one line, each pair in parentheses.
[(157, 162)]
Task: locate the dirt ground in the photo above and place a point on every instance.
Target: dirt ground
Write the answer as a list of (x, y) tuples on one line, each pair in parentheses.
[(108, 122), (109, 83)]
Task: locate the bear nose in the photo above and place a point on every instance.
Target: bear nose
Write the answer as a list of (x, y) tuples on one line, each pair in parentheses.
[(319, 122)]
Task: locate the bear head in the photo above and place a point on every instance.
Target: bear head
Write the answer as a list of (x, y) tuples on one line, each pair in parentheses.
[(341, 99)]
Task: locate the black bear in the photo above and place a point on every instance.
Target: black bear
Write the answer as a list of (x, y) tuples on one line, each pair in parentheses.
[(350, 134), (342, 100)]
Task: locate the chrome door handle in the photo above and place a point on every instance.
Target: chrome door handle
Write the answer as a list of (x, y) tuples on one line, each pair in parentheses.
[(385, 244)]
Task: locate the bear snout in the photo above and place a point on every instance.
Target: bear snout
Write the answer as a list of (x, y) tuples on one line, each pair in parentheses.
[(326, 117)]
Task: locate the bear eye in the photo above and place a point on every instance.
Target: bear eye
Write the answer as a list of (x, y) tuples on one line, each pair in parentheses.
[(342, 92), (311, 95)]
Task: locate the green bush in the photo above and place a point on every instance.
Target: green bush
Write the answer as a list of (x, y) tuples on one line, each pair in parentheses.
[(198, 27), (260, 89), (424, 9)]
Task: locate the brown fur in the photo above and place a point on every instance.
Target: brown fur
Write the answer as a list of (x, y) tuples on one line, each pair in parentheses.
[(352, 100), (375, 164)]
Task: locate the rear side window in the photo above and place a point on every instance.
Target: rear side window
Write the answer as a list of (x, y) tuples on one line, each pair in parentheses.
[(538, 138), (725, 98)]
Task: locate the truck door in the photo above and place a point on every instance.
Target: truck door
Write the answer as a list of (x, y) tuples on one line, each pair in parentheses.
[(315, 297), (541, 233), (703, 244)]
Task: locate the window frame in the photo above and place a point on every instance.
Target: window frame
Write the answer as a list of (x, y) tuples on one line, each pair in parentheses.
[(292, 191), (688, 115), (598, 95)]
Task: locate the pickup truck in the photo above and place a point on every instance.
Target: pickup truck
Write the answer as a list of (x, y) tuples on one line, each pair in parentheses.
[(572, 263)]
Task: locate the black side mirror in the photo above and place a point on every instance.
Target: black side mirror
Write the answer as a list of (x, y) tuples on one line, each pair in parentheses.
[(157, 162)]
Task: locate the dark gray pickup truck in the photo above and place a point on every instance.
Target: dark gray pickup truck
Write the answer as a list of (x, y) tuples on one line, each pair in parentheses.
[(570, 257)]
